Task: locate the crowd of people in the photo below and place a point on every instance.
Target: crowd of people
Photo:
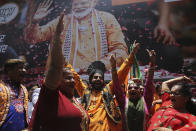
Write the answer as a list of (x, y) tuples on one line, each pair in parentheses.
[(58, 109), (138, 105)]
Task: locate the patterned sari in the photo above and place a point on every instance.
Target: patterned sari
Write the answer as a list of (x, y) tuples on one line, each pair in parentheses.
[(170, 118)]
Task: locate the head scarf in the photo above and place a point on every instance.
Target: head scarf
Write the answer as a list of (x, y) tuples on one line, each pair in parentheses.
[(96, 67), (134, 81)]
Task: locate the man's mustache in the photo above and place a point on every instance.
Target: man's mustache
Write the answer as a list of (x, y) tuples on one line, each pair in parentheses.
[(80, 9)]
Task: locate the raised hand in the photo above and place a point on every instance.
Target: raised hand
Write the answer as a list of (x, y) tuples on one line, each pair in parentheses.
[(59, 27), (114, 71), (152, 55), (113, 62), (136, 47), (43, 10), (55, 58), (188, 79), (162, 33)]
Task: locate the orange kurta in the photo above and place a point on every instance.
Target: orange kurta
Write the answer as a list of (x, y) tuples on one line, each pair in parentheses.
[(96, 110), (85, 51), (98, 115)]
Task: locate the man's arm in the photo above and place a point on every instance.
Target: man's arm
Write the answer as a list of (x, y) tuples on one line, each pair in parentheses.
[(124, 68), (55, 69), (117, 90), (148, 89), (33, 33), (162, 31), (115, 39), (114, 71)]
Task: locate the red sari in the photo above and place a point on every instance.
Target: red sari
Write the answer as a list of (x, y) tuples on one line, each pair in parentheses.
[(168, 117), (55, 112)]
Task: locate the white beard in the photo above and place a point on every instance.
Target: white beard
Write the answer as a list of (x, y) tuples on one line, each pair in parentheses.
[(82, 14)]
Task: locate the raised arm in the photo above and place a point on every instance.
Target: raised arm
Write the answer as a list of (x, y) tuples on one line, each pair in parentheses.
[(166, 86), (150, 74), (162, 31), (55, 69), (114, 71), (124, 68), (117, 90), (115, 40), (33, 32), (148, 89)]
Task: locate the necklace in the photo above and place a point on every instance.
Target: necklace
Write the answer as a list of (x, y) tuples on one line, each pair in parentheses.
[(85, 120), (95, 98)]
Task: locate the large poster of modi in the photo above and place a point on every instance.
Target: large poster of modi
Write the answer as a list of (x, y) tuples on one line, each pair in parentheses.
[(93, 30)]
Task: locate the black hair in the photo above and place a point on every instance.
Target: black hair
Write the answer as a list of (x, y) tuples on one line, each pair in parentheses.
[(185, 90), (96, 67), (157, 87), (11, 63)]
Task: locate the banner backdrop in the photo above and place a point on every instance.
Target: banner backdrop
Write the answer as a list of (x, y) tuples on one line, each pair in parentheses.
[(92, 31)]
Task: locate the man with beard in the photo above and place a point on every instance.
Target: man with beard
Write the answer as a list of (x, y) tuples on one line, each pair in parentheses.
[(97, 99), (13, 97), (88, 34), (137, 110)]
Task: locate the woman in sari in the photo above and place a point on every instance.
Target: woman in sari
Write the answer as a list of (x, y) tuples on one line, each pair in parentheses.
[(177, 109), (57, 109)]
